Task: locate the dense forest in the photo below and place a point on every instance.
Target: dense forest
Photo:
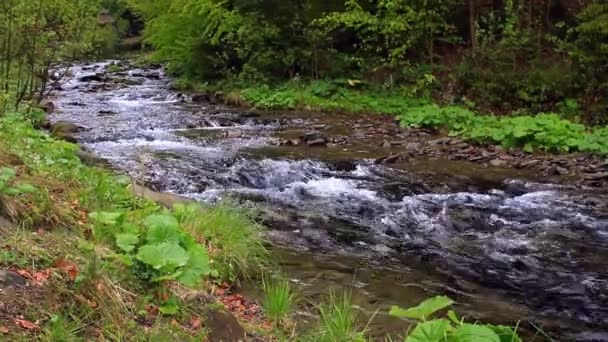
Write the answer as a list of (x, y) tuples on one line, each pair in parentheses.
[(500, 56)]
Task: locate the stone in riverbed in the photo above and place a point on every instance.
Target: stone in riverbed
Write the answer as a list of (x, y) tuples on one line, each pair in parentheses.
[(498, 162), (317, 142), (65, 130), (596, 176), (92, 78), (47, 106)]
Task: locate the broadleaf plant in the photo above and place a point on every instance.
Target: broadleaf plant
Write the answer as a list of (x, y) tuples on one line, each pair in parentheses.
[(450, 329)]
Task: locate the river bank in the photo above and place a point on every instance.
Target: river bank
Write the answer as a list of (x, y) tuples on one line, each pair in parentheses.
[(322, 189), (396, 119)]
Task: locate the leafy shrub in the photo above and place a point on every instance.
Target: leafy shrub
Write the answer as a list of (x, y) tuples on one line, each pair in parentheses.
[(452, 328), (546, 131), (164, 249)]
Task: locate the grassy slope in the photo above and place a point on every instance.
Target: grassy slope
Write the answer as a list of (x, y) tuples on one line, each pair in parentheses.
[(80, 288)]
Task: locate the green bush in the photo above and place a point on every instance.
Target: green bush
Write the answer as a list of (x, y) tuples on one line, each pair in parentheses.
[(545, 131), (451, 328)]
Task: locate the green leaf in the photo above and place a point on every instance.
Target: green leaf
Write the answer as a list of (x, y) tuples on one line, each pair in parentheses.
[(506, 334), (424, 309), (431, 331), (165, 255), (170, 307), (153, 221), (6, 174), (453, 317), (105, 218), (162, 228), (11, 191), (125, 259), (196, 269), (475, 333), (26, 188), (171, 276), (126, 242)]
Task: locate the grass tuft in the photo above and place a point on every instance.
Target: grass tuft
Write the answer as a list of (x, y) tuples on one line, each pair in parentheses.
[(233, 238), (279, 299), (339, 320)]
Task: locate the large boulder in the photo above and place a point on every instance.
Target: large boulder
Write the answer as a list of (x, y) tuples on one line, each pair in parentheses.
[(65, 130), (223, 327), (90, 159)]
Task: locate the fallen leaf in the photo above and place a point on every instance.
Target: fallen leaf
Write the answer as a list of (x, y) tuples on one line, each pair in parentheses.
[(41, 277), (4, 330), (24, 274), (68, 268), (195, 322), (25, 324)]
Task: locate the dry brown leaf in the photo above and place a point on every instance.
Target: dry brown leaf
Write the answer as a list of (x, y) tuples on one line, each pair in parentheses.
[(4, 330), (41, 277), (25, 324), (195, 322), (68, 268)]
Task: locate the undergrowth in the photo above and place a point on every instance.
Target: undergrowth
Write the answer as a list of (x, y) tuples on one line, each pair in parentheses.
[(551, 132), (118, 267)]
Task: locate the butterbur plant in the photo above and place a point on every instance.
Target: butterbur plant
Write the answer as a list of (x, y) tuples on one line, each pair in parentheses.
[(168, 251), (450, 328), (160, 252)]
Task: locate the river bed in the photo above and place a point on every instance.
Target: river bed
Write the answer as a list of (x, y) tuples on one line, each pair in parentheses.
[(504, 244)]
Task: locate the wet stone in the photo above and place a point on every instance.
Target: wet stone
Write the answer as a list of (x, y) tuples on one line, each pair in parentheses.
[(10, 279), (223, 327)]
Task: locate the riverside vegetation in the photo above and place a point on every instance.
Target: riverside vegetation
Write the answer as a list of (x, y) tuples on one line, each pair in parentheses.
[(541, 62)]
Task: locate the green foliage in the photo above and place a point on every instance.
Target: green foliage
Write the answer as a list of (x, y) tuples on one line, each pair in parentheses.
[(339, 320), (424, 309), (168, 252), (278, 299), (6, 175), (37, 34), (234, 239), (452, 328), (543, 131)]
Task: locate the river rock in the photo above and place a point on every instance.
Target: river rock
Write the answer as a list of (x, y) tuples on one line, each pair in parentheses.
[(65, 127), (529, 163), (498, 162), (440, 141), (223, 327), (202, 97), (43, 124), (557, 171), (386, 144), (92, 78), (152, 76), (596, 176), (90, 159), (314, 138), (317, 142), (10, 279), (65, 130), (48, 107), (106, 113)]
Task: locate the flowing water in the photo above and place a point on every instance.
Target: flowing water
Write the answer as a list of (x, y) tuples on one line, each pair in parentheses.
[(506, 246)]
